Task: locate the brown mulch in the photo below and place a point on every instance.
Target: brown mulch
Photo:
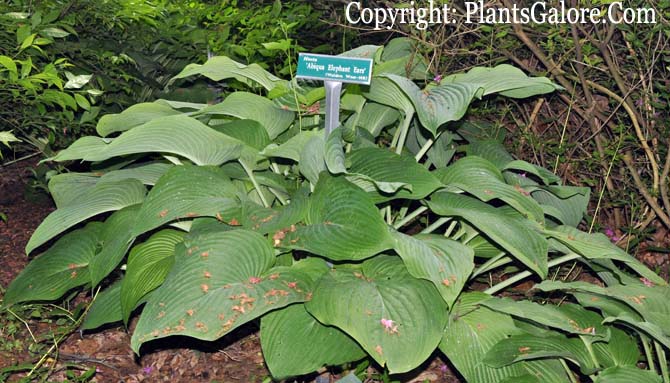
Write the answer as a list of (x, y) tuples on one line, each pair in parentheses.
[(234, 358)]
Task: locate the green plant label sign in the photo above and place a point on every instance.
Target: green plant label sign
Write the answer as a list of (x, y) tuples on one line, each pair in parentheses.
[(335, 68)]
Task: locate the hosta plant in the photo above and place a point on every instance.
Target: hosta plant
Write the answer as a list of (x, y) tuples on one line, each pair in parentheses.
[(377, 240)]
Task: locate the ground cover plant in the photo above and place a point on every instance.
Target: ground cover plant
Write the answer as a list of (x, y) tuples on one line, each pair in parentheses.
[(375, 241)]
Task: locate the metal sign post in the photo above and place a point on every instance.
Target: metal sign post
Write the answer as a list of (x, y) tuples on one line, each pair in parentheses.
[(333, 71), (333, 91)]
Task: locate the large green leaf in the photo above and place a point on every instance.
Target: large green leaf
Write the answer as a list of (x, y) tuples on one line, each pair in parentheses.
[(651, 329), (384, 91), (63, 267), (313, 158), (528, 347), (251, 132), (82, 148), (188, 192), (220, 68), (491, 150), (148, 265), (608, 306), (385, 166), (598, 246), (148, 173), (511, 233), (116, 238), (527, 378), (294, 343), (334, 152), (482, 179), (484, 248), (651, 302), (474, 330), (504, 79), (620, 350), (627, 374), (569, 201), (292, 148), (570, 318), (543, 174), (279, 182), (271, 220), (400, 57), (67, 188), (437, 105), (250, 106), (104, 309), (342, 224), (317, 154), (100, 199), (375, 117), (446, 263), (135, 115), (396, 318), (474, 131), (220, 280), (178, 134)]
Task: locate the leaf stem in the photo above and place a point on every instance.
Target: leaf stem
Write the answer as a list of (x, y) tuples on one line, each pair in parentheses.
[(410, 217), (426, 147), (525, 274), (589, 348), (20, 159), (436, 225), (250, 173), (400, 135), (275, 167), (568, 371), (492, 263), (450, 229), (662, 362), (648, 353)]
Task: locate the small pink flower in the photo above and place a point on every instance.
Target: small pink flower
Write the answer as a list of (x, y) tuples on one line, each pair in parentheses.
[(443, 368), (438, 78), (147, 370), (387, 323), (611, 235)]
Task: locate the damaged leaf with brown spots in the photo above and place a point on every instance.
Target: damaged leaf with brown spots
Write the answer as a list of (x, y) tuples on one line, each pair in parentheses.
[(241, 287)]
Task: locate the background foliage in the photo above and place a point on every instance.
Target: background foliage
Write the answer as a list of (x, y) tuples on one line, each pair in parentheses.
[(131, 49)]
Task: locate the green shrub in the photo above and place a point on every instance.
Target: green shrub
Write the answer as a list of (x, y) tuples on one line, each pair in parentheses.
[(41, 97), (128, 51), (370, 241)]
